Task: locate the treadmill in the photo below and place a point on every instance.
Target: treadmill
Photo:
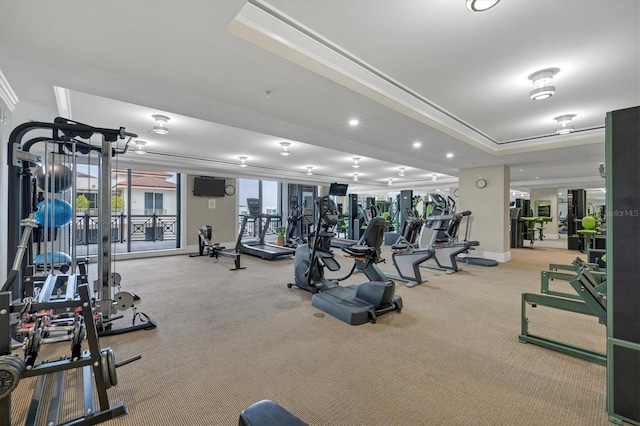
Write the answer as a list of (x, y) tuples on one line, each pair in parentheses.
[(256, 246)]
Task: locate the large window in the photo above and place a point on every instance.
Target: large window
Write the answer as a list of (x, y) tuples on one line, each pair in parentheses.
[(144, 210), (268, 192), (270, 201), (247, 188)]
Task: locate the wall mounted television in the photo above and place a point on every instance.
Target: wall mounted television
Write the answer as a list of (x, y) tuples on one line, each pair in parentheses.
[(204, 186), (338, 189)]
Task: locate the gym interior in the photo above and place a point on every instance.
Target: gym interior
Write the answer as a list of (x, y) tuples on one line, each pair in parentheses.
[(262, 213)]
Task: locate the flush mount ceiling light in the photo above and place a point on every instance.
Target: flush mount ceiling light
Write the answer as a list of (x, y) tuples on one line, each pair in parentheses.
[(309, 172), (481, 5), (285, 149), (434, 178), (450, 155), (355, 177), (401, 172), (356, 162), (140, 147), (541, 79), (161, 124), (243, 161), (389, 182), (417, 144), (353, 122), (565, 124)]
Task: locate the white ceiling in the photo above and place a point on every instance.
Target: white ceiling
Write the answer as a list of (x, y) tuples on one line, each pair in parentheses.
[(428, 71)]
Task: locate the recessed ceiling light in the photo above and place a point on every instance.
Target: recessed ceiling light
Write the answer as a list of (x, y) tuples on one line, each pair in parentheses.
[(565, 124), (541, 80), (355, 177), (356, 162), (537, 177), (353, 122), (285, 149), (243, 161), (309, 172), (389, 181), (481, 5), (521, 170), (401, 172), (417, 144), (140, 147), (450, 155), (161, 124)]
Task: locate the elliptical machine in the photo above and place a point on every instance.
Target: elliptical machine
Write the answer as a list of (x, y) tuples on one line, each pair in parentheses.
[(297, 226), (354, 304), (309, 262)]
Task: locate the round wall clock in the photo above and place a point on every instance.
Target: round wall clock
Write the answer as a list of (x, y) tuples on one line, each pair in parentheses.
[(229, 190), (481, 183)]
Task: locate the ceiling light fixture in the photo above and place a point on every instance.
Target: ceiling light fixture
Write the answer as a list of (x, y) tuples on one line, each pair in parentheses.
[(243, 161), (434, 178), (356, 162), (161, 124), (540, 79), (417, 144), (140, 147), (401, 172), (481, 5), (355, 177), (353, 122), (285, 149), (565, 124), (309, 172), (450, 155), (389, 182)]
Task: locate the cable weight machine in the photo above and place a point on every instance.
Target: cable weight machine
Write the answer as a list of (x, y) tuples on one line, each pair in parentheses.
[(55, 305)]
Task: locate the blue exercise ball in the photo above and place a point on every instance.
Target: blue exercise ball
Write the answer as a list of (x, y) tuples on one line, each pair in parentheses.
[(56, 257), (58, 177), (59, 213)]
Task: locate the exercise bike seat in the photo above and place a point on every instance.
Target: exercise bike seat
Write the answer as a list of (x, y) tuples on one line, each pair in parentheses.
[(359, 250)]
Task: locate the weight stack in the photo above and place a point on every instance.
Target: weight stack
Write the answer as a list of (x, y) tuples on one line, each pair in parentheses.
[(623, 269)]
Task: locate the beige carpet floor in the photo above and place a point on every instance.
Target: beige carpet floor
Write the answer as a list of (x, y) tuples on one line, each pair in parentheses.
[(226, 339)]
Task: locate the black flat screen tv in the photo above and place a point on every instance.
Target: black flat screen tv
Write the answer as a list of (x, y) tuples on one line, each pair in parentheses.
[(338, 189), (208, 187)]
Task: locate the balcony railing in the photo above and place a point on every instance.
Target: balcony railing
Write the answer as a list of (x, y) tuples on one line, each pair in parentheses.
[(253, 228), (152, 227)]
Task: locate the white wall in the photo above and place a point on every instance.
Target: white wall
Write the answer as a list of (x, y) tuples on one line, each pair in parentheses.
[(490, 209), (5, 129), (219, 212)]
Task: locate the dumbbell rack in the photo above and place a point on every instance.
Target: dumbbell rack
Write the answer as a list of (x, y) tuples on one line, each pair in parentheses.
[(91, 361)]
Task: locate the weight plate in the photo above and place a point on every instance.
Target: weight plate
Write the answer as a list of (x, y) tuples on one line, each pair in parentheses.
[(115, 279), (33, 342), (9, 376), (111, 364), (104, 356), (123, 300), (76, 340), (17, 361)]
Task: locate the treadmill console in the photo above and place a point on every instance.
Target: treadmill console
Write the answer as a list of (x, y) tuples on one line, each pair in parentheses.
[(253, 205)]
